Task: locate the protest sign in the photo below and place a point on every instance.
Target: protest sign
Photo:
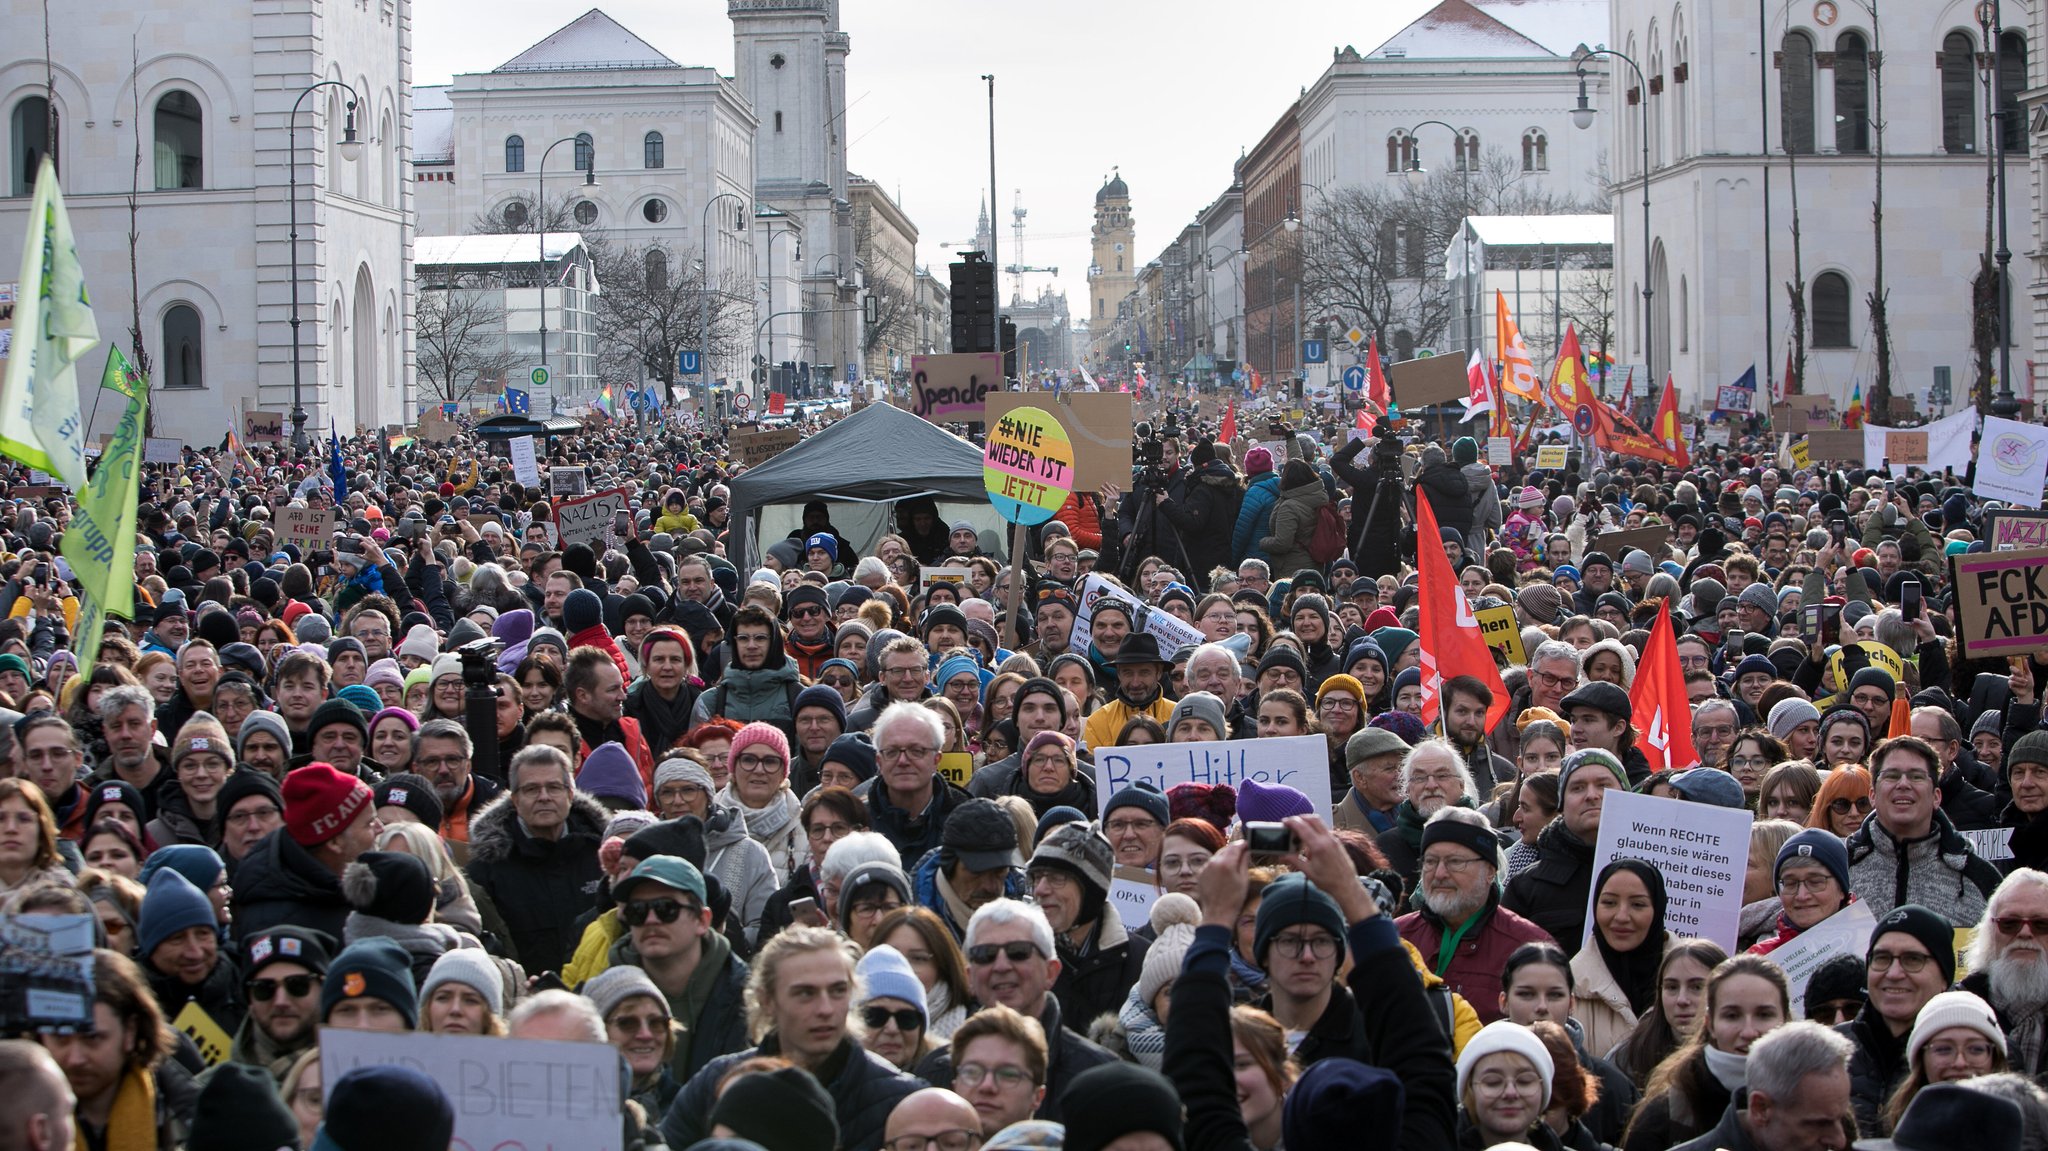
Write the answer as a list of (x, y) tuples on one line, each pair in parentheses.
[(1132, 891), (266, 427), (1503, 632), (45, 971), (310, 528), (1832, 446), (1717, 436), (1299, 761), (2001, 601), (589, 520), (1500, 450), (1649, 539), (569, 481), (1733, 399), (1702, 852), (525, 468), (436, 427), (1904, 447), (1170, 630), (1993, 843), (508, 1094), (205, 1032), (1550, 457), (953, 387), (1802, 452), (1098, 425), (926, 577), (162, 450), (1438, 379), (957, 767), (2009, 529), (2012, 462), (1027, 466), (756, 448), (1846, 932)]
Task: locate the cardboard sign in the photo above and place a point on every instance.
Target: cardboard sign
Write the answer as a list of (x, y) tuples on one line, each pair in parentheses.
[(756, 448), (525, 468), (1027, 466), (2010, 529), (1846, 932), (1171, 631), (2012, 462), (1701, 850), (589, 520), (1438, 379), (1299, 761), (2001, 601), (1098, 425), (1834, 446), (1814, 409), (510, 1094), (1908, 448), (45, 970), (571, 481), (1802, 452), (162, 450), (310, 528), (1500, 450), (1503, 632), (1552, 457), (1649, 539), (437, 428), (957, 767), (267, 427), (953, 388), (1132, 891)]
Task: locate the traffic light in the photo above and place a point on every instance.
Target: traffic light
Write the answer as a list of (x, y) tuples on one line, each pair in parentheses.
[(974, 303), (1009, 349)]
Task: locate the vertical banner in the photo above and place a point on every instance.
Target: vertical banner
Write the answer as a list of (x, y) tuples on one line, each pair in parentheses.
[(100, 543), (39, 419)]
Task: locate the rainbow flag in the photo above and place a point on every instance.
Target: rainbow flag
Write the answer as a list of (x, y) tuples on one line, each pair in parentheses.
[(1853, 418), (604, 399)]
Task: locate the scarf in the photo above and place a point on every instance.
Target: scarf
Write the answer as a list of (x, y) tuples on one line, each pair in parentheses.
[(773, 827), (956, 907), (1732, 1071), (131, 1125), (662, 721), (2026, 1034), (1635, 971)]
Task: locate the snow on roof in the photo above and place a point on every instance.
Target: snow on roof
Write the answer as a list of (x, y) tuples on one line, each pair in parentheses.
[(433, 125), (1456, 30), (1559, 25), (1543, 231), (591, 41), (490, 250)]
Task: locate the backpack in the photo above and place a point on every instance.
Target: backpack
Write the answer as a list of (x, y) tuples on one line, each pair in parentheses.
[(1327, 542)]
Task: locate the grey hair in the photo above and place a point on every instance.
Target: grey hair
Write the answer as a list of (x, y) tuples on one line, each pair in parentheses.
[(900, 711), (555, 1001), (445, 729), (870, 567), (1438, 747), (1781, 1061), (855, 850), (1551, 649), (1661, 586), (1468, 816), (1705, 706), (538, 753), (1983, 948), (2032, 1101), (1264, 569), (1895, 633), (1003, 912), (116, 700), (1214, 651)]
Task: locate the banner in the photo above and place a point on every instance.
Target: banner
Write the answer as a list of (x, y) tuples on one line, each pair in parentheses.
[(2001, 601), (1662, 713), (1170, 630), (508, 1094), (589, 520), (1449, 636), (1846, 932), (1701, 850), (952, 388), (39, 420), (100, 543), (1568, 379), (1299, 761), (2012, 462), (1945, 443)]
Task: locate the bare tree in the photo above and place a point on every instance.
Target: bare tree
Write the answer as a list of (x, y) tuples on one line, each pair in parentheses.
[(460, 329), (1796, 290), (517, 216), (648, 308), (891, 284), (1588, 305)]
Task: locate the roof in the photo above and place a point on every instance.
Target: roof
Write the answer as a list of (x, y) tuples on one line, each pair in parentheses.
[(490, 250), (1458, 30), (1114, 186), (433, 125), (591, 41), (1559, 25), (1543, 231)]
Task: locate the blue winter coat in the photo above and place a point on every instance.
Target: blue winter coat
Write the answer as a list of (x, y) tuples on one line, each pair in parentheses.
[(1254, 517)]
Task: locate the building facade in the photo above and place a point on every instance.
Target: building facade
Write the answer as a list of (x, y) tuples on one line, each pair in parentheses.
[(885, 247), (1112, 269), (214, 267)]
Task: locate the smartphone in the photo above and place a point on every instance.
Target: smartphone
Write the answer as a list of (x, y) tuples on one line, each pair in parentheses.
[(806, 911), (622, 522), (1830, 623), (1909, 600), (1812, 615), (1269, 839)]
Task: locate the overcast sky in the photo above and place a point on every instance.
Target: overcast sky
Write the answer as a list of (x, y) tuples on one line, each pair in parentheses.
[(1170, 90)]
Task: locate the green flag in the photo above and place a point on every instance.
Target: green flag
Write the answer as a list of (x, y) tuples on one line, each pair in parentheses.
[(100, 541), (40, 423)]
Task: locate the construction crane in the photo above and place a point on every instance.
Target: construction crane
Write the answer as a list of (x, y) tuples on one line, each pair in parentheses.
[(1017, 215)]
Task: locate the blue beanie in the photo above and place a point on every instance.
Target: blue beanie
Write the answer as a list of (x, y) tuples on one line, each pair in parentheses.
[(1408, 676), (819, 695), (824, 541), (1290, 900), (855, 749), (1146, 797), (1336, 1098), (610, 773), (172, 905), (363, 696), (374, 968), (195, 861), (950, 667), (886, 974), (1818, 845), (1056, 817)]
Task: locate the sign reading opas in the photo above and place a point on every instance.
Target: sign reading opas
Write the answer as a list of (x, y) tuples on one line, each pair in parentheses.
[(589, 520), (2001, 601), (506, 1093), (1702, 852), (1028, 466), (1170, 630)]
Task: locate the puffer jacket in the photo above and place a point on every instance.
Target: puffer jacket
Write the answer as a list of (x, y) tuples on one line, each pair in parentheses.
[(1294, 525), (1254, 519), (1207, 516), (741, 865), (1939, 871), (863, 1093), (1553, 892), (280, 883), (1450, 496), (540, 886)]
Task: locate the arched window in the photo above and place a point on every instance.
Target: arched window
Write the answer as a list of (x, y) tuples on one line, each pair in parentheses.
[(514, 215), (1852, 92), (652, 150), (586, 213), (181, 349), (1401, 154), (2012, 80), (387, 155), (179, 154), (1831, 311), (584, 151), (1795, 94), (657, 270), (1535, 151), (1468, 151), (515, 153), (29, 132), (1958, 93)]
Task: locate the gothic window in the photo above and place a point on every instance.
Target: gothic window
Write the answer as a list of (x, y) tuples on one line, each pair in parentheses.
[(179, 153), (585, 152), (2012, 80), (1852, 92), (1468, 151), (515, 153), (1831, 311), (1535, 151), (29, 132), (1958, 93), (181, 349), (1795, 94), (1401, 154), (652, 150)]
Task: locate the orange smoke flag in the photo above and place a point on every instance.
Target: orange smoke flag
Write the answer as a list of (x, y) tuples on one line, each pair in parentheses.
[(1447, 633), (1517, 370), (1663, 716), (1568, 379)]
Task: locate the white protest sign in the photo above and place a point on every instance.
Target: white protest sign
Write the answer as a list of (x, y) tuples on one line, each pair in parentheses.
[(1132, 891), (508, 1094), (525, 468), (1993, 843), (2012, 461), (589, 520), (568, 481), (1301, 762), (1702, 852), (1846, 932), (1500, 451), (162, 450), (1170, 630)]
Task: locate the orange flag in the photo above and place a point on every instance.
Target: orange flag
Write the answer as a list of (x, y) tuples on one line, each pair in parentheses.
[(1375, 375), (1227, 432), (1517, 370), (1663, 718), (1669, 429), (1448, 634), (1568, 379)]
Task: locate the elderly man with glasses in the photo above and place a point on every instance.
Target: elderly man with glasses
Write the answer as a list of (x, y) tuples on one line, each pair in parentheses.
[(2008, 961), (1460, 928), (908, 800), (1908, 851), (534, 852)]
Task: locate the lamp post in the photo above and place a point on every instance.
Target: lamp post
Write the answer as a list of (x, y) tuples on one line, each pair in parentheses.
[(349, 148), (540, 236), (2005, 404), (837, 280), (1416, 176), (1582, 118), (704, 289)]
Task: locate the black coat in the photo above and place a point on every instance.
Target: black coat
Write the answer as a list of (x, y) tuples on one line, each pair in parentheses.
[(1690, 1108), (280, 883), (539, 886), (1450, 495), (1098, 983), (1375, 528), (1338, 1033), (1552, 892), (1067, 1055), (913, 833), (1877, 1066), (220, 995), (864, 1090), (1206, 517)]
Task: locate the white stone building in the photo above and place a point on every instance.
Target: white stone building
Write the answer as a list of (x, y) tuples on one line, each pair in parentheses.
[(206, 94)]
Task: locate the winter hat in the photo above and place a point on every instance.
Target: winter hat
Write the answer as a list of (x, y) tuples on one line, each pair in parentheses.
[(310, 949), (1174, 917), (581, 611), (421, 643), (821, 696), (1600, 696), (172, 905), (1506, 1035), (1761, 597), (1336, 1098), (1290, 900), (1590, 757), (1080, 850), (337, 710), (389, 1107), (1638, 562), (414, 793), (313, 628), (1816, 845), (1838, 977), (1394, 641), (1405, 724), (239, 1109), (195, 861), (1788, 714), (683, 771), (610, 773), (202, 732), (472, 967), (1709, 785), (1258, 461), (1541, 601), (1954, 1009), (1213, 803), (1270, 802), (1755, 664), (1146, 797), (320, 802), (364, 697), (1200, 705), (115, 790), (880, 873), (374, 968), (390, 885), (803, 594), (614, 985), (1042, 685), (1057, 816), (856, 751), (782, 1110), (1344, 683), (1464, 450), (2029, 748), (758, 733), (885, 974), (384, 671), (1931, 929), (1112, 1100), (1872, 677), (1478, 839), (1989, 723)]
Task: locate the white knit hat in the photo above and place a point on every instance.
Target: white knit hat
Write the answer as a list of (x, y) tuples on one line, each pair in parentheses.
[(1173, 920), (1954, 1009), (472, 968), (1507, 1035)]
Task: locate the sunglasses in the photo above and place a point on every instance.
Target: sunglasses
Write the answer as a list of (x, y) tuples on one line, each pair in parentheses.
[(907, 1018), (2011, 924), (1843, 806), (1829, 1014), (983, 954), (637, 911), (296, 986)]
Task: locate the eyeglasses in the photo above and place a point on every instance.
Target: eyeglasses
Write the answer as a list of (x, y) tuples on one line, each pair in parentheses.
[(1496, 1083), (1742, 762), (1870, 700), (907, 1019), (296, 986), (249, 815), (1021, 951), (1130, 826), (1816, 884), (431, 762), (1453, 865), (1913, 778), (914, 751), (1048, 759), (957, 1139), (868, 909), (1558, 682), (210, 764), (539, 790), (902, 671), (1291, 946), (1914, 962), (972, 1075), (1829, 1014), (2011, 924), (807, 612), (636, 911), (1845, 806), (1976, 1052), (635, 1024), (828, 831), (758, 764)]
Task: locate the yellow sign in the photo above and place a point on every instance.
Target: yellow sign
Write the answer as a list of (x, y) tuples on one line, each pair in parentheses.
[(213, 1043), (1551, 456), (957, 767), (1802, 452), (1502, 632)]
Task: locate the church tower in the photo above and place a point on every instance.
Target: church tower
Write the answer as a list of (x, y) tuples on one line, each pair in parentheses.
[(1112, 270)]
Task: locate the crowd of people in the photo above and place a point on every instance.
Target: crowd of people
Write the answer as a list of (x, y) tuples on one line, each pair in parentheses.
[(822, 851)]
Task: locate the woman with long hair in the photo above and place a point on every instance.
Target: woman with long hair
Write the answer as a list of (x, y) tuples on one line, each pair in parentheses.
[(1681, 999), (1843, 802), (934, 955), (1574, 1090), (1788, 791), (1746, 999), (1616, 978), (1754, 752), (1957, 1036), (28, 839)]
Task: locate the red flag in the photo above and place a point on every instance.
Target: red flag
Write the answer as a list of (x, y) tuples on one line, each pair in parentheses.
[(1375, 376), (1448, 634), (1669, 428), (1227, 431), (1663, 718), (1568, 379)]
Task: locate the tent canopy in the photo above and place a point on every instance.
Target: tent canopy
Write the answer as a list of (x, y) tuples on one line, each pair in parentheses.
[(866, 462)]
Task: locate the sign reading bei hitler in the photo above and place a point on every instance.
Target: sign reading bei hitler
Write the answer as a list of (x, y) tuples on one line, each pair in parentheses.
[(2001, 601)]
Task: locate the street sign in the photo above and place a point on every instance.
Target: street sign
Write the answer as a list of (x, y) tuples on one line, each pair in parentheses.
[(1356, 336), (853, 371), (689, 363), (1314, 352), (1582, 420), (741, 401), (1354, 377), (540, 377)]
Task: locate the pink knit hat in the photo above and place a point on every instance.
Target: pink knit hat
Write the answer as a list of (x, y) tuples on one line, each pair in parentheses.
[(1257, 460), (755, 733)]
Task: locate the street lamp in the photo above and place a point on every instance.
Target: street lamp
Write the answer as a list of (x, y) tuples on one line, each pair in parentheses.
[(1582, 118), (838, 281), (540, 236), (1417, 176), (2005, 405), (350, 149), (704, 289)]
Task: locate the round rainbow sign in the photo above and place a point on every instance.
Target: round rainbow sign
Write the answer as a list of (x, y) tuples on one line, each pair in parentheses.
[(1028, 466)]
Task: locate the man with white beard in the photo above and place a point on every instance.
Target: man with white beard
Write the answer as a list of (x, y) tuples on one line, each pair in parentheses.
[(1433, 777), (1459, 897), (2008, 962)]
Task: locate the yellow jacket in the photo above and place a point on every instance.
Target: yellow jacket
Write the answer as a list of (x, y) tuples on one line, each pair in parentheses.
[(593, 951), (22, 606), (1108, 721), (1464, 1020)]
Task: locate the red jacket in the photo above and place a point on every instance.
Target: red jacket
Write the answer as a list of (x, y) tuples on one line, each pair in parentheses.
[(1474, 970), (635, 745), (596, 636), (1078, 513)]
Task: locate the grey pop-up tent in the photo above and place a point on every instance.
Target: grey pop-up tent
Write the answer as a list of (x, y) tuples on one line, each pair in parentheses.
[(861, 466)]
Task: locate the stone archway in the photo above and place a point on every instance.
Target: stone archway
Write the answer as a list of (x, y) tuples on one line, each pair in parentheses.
[(363, 352)]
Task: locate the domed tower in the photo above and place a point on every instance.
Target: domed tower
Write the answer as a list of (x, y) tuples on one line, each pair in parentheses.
[(1113, 270)]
